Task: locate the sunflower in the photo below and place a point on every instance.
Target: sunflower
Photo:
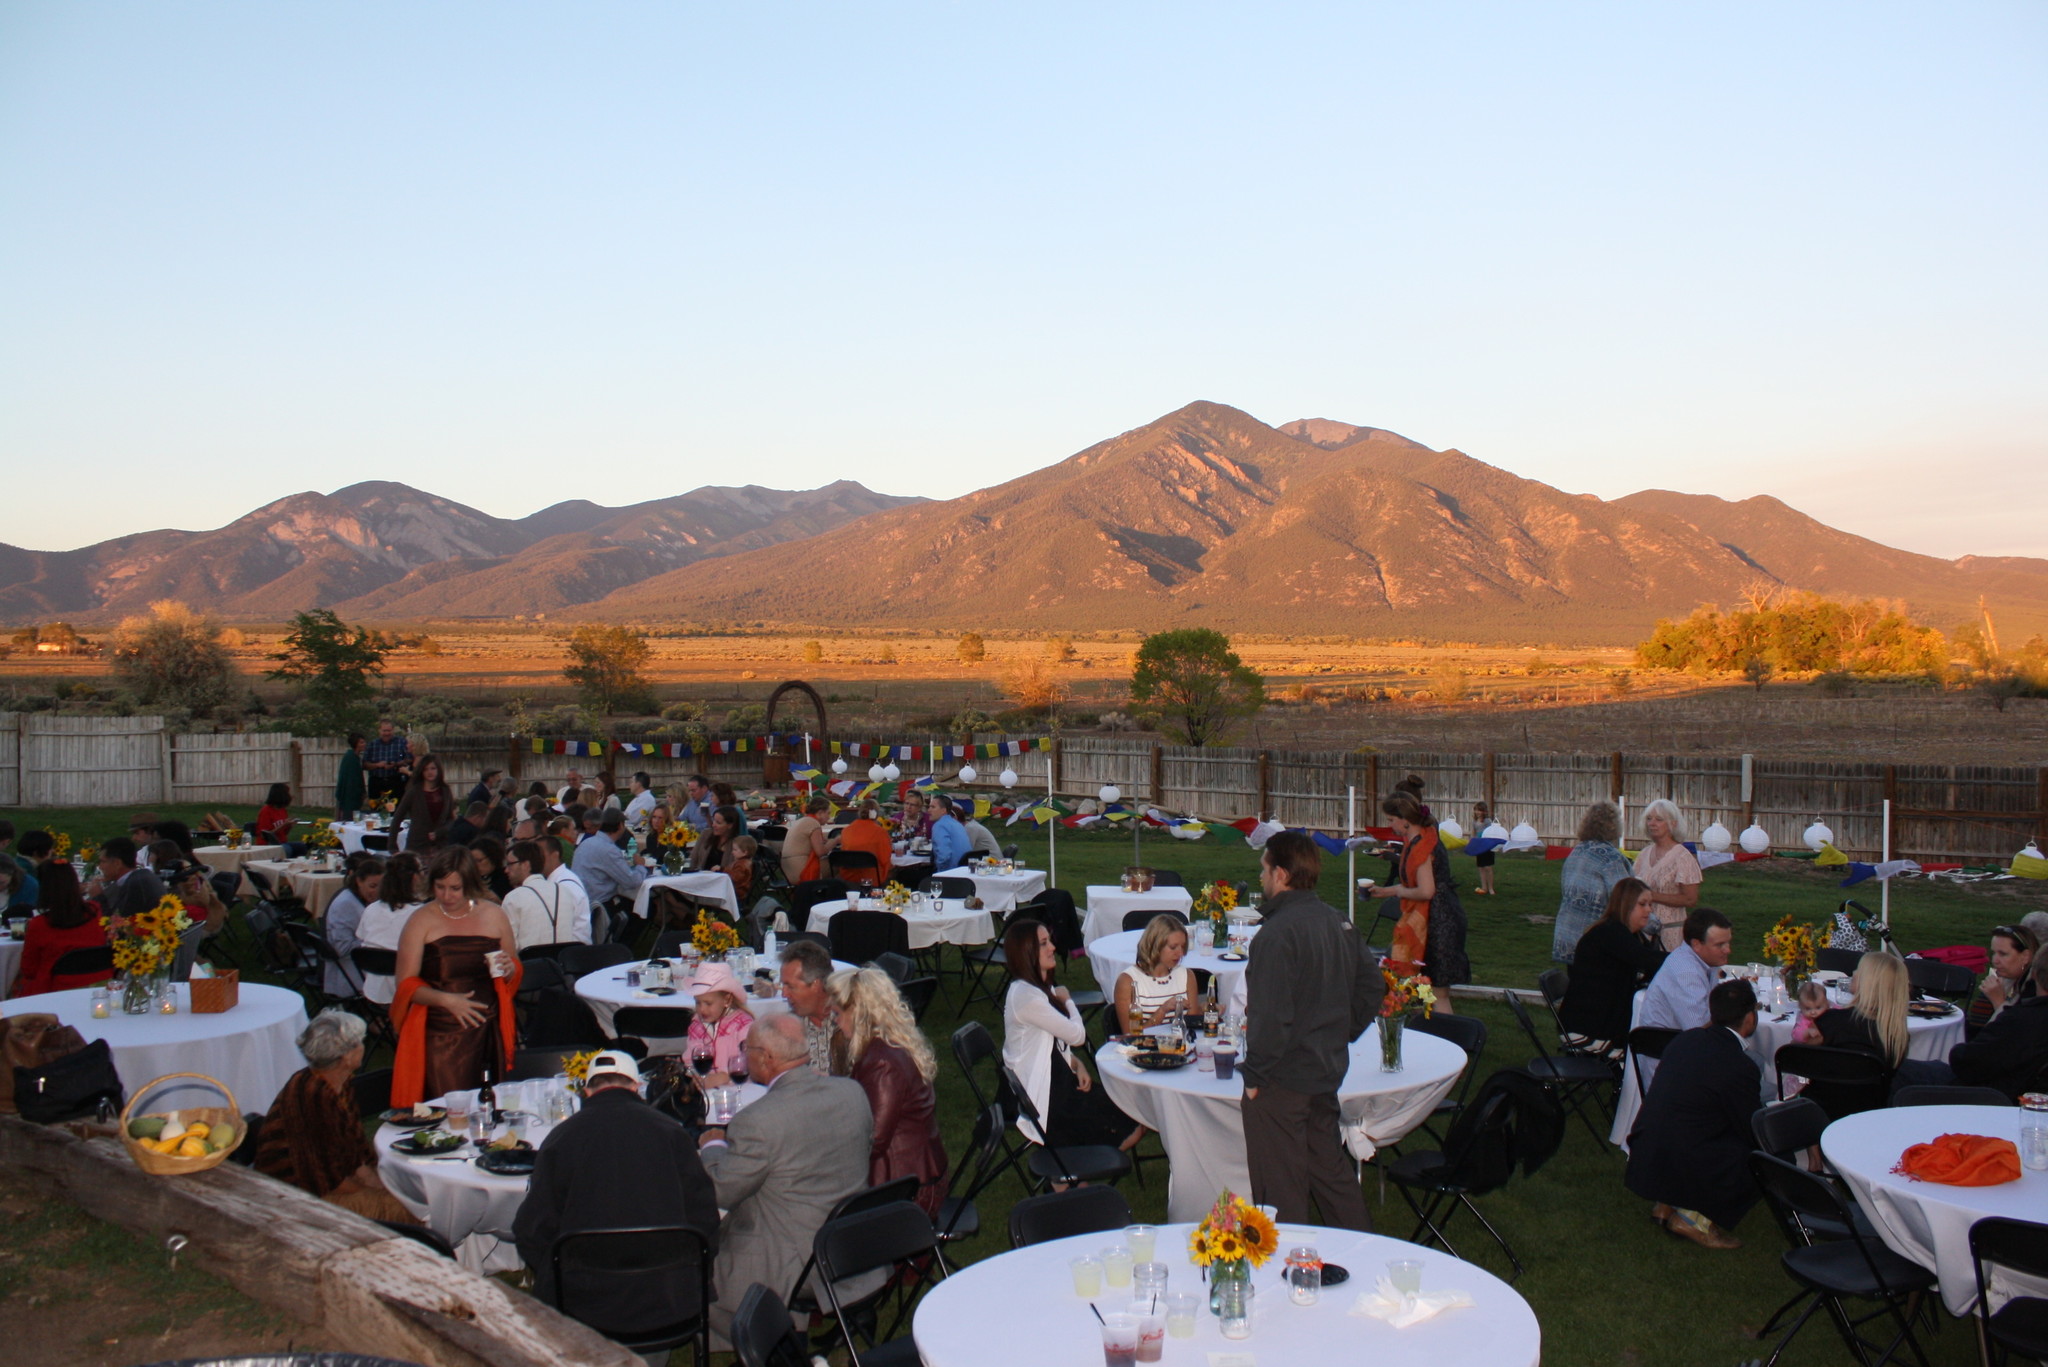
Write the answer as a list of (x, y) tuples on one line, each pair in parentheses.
[(1257, 1234)]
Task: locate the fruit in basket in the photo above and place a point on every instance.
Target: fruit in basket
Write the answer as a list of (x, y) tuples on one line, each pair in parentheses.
[(146, 1127), (223, 1137), (198, 1130), (193, 1148)]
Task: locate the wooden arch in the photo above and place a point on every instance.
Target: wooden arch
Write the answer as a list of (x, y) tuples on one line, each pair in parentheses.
[(797, 686)]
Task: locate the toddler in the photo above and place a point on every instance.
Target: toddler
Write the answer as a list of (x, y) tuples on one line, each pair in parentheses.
[(1813, 1000)]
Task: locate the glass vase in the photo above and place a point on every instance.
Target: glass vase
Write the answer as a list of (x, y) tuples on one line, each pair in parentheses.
[(1390, 1042), (672, 863), (139, 993), (1227, 1277)]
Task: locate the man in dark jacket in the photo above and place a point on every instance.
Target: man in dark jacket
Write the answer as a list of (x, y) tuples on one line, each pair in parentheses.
[(617, 1162), (1689, 1152), (1311, 988), (125, 888), (2011, 1052)]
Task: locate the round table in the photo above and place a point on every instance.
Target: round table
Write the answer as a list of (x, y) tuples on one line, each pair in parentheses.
[(605, 991), (1929, 1222), (1018, 1309), (709, 884), (1001, 891), (1925, 1039), (1201, 1125), (1112, 954), (221, 859), (1108, 903), (947, 923), (315, 887), (10, 963), (253, 1048)]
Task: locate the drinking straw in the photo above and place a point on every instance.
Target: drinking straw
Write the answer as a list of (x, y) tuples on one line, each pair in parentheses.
[(1098, 1315)]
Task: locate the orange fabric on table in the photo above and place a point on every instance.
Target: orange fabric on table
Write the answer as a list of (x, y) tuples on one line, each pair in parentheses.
[(866, 834), (1411, 933), (409, 1063), (1962, 1160)]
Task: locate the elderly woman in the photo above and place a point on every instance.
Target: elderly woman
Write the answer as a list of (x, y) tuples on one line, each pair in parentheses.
[(313, 1137), (1590, 873), (892, 1061), (1611, 960), (1670, 870), (1158, 987), (718, 1028)]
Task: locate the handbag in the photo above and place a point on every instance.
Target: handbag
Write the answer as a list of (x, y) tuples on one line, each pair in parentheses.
[(70, 1087), (30, 1040)]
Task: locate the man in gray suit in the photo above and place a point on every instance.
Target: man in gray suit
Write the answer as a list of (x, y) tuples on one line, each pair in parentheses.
[(781, 1166)]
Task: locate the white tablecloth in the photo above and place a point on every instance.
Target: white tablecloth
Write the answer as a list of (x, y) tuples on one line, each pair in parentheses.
[(1018, 1309), (1112, 954), (10, 964), (1202, 1127), (253, 1049), (710, 885), (1925, 1039), (605, 991), (949, 923), (1108, 903), (1001, 891), (221, 859), (352, 833), (1929, 1222), (315, 888)]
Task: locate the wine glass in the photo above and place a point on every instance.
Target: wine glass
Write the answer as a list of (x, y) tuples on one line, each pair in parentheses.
[(738, 1071), (700, 1059)]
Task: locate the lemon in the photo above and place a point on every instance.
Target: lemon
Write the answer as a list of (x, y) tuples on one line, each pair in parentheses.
[(146, 1127)]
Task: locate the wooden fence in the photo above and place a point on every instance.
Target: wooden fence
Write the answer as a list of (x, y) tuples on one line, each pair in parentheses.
[(1978, 813)]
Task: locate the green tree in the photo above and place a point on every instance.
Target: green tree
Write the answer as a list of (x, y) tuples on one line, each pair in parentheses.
[(1758, 671), (1060, 650), (972, 649), (172, 657), (1196, 682), (335, 666), (605, 664)]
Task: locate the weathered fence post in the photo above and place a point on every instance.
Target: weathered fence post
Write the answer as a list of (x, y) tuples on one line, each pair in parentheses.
[(1486, 782), (1158, 772), (1614, 776), (1265, 783), (513, 756)]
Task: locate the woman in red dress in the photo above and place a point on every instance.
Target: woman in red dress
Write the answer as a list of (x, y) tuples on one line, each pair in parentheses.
[(66, 920)]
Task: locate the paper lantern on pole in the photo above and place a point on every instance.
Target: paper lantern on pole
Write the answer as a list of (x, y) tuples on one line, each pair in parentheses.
[(1495, 831), (1716, 838), (1524, 837), (967, 774), (1110, 793), (1449, 829), (1818, 835), (1009, 777), (876, 773), (891, 772), (839, 765), (1756, 840)]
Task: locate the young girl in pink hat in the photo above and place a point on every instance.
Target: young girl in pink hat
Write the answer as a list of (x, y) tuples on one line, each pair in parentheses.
[(722, 1022)]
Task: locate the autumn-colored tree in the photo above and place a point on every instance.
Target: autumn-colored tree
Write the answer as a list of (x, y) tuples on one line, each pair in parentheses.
[(605, 664), (172, 657), (1197, 682), (972, 649)]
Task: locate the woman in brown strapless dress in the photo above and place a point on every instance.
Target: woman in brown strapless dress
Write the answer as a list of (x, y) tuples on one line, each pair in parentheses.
[(447, 945)]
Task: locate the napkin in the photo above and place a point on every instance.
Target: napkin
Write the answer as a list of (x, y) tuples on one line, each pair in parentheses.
[(1385, 1303), (1962, 1160)]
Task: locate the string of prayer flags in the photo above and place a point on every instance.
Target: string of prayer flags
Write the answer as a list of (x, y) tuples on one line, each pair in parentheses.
[(1828, 857), (1890, 868), (543, 746)]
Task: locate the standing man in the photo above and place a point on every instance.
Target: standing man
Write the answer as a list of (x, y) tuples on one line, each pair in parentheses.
[(1313, 988), (387, 761), (1689, 1152)]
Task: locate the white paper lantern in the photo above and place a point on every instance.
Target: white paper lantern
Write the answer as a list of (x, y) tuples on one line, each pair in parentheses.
[(1495, 831), (1009, 777), (1756, 840), (1818, 835), (891, 772), (839, 765), (1450, 828), (1716, 838), (876, 773), (1524, 837), (967, 774), (1110, 792)]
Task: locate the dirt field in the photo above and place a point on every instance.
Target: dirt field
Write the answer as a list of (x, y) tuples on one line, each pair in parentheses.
[(1325, 693)]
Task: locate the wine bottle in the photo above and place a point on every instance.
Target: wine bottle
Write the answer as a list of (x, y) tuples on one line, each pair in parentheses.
[(487, 1099)]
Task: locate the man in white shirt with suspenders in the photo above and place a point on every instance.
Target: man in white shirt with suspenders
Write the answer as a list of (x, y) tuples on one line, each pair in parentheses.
[(543, 911)]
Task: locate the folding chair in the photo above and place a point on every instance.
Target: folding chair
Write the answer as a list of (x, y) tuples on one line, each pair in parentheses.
[(1842, 1081), (901, 968), (1053, 1165), (659, 1257), (372, 1092), (1553, 983), (2020, 1326), (1469, 1034), (763, 1335), (579, 959), (1138, 920), (1387, 917), (857, 867), (952, 889), (79, 963), (903, 1189), (1940, 979), (532, 1063), (1575, 1080), (897, 1237), (958, 1217), (1648, 1041), (917, 994), (1167, 878), (981, 960), (1061, 1214), (972, 1047), (1853, 1267), (1486, 1143), (652, 1023), (858, 936), (1837, 960)]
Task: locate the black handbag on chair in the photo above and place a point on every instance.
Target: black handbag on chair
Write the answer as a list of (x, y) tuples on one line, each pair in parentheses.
[(74, 1087)]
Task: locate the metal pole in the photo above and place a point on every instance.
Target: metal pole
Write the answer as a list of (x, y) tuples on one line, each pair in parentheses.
[(1621, 804), (1052, 827), (1884, 889), (1350, 854)]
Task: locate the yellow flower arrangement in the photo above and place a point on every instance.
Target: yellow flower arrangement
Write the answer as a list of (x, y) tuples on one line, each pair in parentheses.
[(895, 897), (1218, 898), (1794, 945), (1233, 1231), (149, 939), (677, 836), (577, 1067), (1405, 991), (60, 844), (323, 836), (713, 936)]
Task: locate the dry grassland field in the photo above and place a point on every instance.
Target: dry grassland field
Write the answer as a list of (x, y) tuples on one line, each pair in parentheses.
[(1324, 693)]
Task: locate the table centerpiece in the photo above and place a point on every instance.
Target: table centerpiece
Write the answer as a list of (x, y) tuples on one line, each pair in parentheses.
[(1232, 1239), (144, 946), (1403, 992)]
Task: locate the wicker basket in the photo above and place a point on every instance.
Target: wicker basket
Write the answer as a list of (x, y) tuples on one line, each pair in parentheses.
[(170, 1165), (221, 992)]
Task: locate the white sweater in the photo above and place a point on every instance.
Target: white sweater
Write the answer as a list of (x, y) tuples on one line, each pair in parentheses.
[(1034, 1029)]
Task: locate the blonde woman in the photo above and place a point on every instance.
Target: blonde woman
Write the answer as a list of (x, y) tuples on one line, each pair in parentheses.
[(1152, 990), (892, 1061), (1669, 870), (1875, 1023)]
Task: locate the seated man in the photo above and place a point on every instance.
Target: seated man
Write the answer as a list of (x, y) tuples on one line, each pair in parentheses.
[(124, 888), (981, 841), (616, 1163), (1677, 997), (781, 1165), (1689, 1152), (543, 911), (608, 876), (2010, 1053), (950, 846)]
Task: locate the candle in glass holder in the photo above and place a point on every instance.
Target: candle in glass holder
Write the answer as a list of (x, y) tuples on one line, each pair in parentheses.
[(100, 1008)]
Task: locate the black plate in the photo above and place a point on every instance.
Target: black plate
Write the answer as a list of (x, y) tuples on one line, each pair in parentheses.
[(1156, 1062), (1929, 1010), (1333, 1275), (659, 991), (508, 1162), (406, 1120), (1232, 958), (409, 1147)]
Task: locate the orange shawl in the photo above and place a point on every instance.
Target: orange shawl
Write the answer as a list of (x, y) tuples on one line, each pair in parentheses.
[(409, 1064), (868, 835), (1962, 1160), (1411, 933)]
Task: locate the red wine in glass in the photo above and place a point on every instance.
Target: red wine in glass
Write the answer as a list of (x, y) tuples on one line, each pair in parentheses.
[(738, 1073), (702, 1063)]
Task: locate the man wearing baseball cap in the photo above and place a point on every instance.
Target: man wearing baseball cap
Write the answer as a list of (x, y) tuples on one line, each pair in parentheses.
[(616, 1163)]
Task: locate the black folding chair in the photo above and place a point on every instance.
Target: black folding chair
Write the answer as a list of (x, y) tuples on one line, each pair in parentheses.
[(89, 961), (532, 1063), (419, 1234), (371, 1090), (1937, 1094), (952, 889), (1469, 1034), (1837, 960), (1053, 1165), (858, 936), (1138, 920), (1553, 983), (973, 1046), (1939, 978), (2020, 1326), (902, 1189), (958, 1217), (857, 867), (1486, 1144), (1167, 878), (661, 1258), (901, 968), (534, 953), (763, 1335), (1388, 916), (1578, 1082), (578, 959), (1060, 1214), (1648, 1041), (980, 961), (1843, 1081), (1834, 1271), (373, 962), (896, 1237), (805, 896), (651, 1023), (917, 994)]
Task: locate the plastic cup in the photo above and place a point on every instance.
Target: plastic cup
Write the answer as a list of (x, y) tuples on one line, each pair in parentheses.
[(1226, 1060), (853, 901), (1405, 1275), (1120, 1339), (1181, 1309), (1142, 1240), (1148, 1280), (1087, 1276), (1116, 1266), (1151, 1318), (1205, 1054)]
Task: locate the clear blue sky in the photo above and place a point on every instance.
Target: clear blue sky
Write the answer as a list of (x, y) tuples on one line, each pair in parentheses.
[(513, 252)]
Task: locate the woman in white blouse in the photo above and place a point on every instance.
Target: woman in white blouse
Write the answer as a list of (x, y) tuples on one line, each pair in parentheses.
[(384, 919), (1042, 1029), (1158, 987), (1669, 869)]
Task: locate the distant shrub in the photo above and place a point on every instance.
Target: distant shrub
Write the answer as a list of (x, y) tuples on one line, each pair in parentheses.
[(1449, 684), (1835, 683)]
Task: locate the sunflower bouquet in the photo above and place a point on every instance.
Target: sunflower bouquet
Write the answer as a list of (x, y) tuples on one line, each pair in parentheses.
[(576, 1068), (60, 844), (713, 936), (147, 942), (1404, 991), (1233, 1232), (895, 897), (677, 836), (1216, 899), (1794, 945), (323, 836)]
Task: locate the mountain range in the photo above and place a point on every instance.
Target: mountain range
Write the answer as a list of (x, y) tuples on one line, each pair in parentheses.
[(1204, 516)]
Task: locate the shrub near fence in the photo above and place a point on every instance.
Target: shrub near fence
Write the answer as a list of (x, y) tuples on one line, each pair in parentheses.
[(1978, 813)]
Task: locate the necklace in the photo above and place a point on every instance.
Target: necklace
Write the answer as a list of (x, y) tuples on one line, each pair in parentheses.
[(451, 916)]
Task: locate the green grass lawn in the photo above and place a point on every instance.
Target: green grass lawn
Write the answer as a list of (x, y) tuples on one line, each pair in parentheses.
[(1607, 1285)]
